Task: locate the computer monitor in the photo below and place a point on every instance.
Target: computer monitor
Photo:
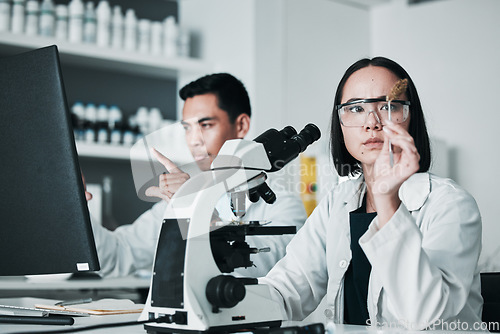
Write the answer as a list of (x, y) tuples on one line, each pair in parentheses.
[(44, 220)]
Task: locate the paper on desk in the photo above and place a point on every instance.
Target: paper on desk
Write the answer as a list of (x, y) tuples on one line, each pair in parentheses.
[(99, 307)]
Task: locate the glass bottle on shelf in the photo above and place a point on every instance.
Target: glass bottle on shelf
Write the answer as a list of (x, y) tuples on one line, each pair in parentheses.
[(4, 15), (17, 22), (130, 38), (117, 28), (170, 33), (47, 18), (31, 24), (89, 24), (103, 11), (61, 29), (75, 23)]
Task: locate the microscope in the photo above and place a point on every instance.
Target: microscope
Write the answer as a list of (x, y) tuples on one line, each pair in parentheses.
[(191, 289)]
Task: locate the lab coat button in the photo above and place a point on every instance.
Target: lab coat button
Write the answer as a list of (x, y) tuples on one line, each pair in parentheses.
[(329, 313), (343, 264)]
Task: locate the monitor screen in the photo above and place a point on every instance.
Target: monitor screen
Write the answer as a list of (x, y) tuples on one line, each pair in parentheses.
[(44, 220)]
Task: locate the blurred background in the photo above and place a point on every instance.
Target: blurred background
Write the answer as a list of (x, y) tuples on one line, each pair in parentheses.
[(290, 54)]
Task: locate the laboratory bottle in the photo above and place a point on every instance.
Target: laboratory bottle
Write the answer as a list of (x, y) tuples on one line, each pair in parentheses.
[(78, 115), (78, 110), (128, 132), (102, 132), (117, 28), (142, 119), (156, 38), (130, 40), (61, 29), (47, 18), (144, 39), (91, 113), (89, 24), (183, 41), (90, 123), (4, 15), (103, 23), (32, 12), (89, 132), (115, 137), (114, 116), (102, 114), (170, 33), (17, 22), (155, 119), (75, 24)]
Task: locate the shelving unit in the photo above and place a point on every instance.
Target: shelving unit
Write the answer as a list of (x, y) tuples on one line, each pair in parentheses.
[(114, 76), (93, 56), (116, 152)]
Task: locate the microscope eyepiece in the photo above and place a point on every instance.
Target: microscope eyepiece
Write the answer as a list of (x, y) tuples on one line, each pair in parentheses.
[(288, 131), (309, 134), (285, 145)]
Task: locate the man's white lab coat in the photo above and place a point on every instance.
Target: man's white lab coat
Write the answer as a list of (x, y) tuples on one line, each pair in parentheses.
[(424, 260), (132, 247)]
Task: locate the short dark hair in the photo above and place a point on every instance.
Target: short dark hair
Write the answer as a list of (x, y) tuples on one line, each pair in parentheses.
[(232, 97), (344, 162)]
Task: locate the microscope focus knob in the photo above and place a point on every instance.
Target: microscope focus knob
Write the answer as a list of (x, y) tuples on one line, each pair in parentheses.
[(225, 291)]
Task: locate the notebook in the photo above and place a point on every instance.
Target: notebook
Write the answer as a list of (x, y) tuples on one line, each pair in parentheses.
[(33, 311), (106, 306)]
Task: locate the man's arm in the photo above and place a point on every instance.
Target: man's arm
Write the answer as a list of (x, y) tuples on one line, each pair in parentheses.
[(130, 247)]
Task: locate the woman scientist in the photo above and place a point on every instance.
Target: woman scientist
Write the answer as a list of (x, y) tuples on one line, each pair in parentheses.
[(393, 245)]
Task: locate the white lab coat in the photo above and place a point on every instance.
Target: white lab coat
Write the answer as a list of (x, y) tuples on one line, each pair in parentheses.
[(132, 247), (424, 260)]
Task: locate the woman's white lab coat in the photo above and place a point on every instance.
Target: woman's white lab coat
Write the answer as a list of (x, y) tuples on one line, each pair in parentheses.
[(424, 260)]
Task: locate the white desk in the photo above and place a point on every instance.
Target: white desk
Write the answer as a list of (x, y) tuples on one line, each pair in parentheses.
[(136, 329), (79, 321), (24, 284), (132, 287)]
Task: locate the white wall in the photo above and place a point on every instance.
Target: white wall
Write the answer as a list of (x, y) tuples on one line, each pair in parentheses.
[(321, 41), (290, 54), (452, 51), (225, 30)]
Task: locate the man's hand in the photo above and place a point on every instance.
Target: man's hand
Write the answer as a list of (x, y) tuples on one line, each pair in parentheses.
[(88, 196), (168, 183)]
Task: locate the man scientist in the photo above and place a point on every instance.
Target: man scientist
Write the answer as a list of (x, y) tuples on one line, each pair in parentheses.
[(216, 109)]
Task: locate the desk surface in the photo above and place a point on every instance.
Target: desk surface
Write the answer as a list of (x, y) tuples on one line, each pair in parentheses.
[(79, 321), (136, 329), (22, 283)]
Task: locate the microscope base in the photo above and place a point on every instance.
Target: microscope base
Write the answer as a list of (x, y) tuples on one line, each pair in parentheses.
[(218, 329)]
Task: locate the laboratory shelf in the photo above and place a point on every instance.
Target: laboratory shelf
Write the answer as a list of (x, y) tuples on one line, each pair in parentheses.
[(106, 58), (107, 151), (128, 153)]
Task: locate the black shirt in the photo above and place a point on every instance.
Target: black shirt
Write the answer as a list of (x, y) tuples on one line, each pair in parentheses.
[(358, 272)]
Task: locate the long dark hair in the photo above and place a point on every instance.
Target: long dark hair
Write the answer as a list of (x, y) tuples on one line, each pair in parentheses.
[(344, 162)]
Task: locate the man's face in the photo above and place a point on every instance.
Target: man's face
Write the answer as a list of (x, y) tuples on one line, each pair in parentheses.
[(207, 128)]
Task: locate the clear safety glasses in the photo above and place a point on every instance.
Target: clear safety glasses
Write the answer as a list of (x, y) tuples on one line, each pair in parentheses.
[(355, 113)]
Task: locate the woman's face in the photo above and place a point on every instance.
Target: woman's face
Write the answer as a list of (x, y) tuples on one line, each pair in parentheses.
[(365, 142)]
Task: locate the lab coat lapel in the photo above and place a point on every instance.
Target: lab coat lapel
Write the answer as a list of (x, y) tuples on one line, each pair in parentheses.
[(413, 193)]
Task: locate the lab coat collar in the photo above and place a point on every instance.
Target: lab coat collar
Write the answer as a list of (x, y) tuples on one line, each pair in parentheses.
[(355, 190), (413, 192)]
